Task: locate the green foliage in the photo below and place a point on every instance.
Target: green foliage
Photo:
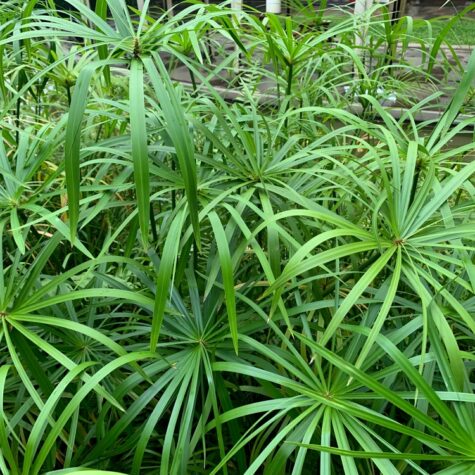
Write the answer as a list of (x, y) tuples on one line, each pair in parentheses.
[(460, 32), (254, 269)]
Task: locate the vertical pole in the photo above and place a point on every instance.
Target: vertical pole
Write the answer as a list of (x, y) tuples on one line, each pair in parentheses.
[(399, 9), (273, 6), (236, 5), (169, 4), (361, 6)]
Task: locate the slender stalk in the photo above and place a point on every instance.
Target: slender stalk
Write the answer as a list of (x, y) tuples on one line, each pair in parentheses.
[(193, 80), (173, 166), (68, 94), (290, 79), (153, 224), (17, 120)]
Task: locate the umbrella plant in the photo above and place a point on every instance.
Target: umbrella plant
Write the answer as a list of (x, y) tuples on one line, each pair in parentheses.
[(223, 253)]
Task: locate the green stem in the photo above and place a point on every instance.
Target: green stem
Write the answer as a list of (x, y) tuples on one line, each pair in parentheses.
[(193, 80), (328, 290), (288, 91), (415, 182), (153, 225), (68, 92), (17, 120), (290, 74), (173, 191)]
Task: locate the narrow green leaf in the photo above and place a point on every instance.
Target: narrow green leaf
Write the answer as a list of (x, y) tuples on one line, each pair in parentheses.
[(41, 422), (227, 274), (453, 109), (72, 145), (381, 455), (121, 17), (448, 187), (83, 471), (383, 312), (77, 399), (179, 133), (355, 294), (138, 131), (164, 282), (16, 231), (4, 442)]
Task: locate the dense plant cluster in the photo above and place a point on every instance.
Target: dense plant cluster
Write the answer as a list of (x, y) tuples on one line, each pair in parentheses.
[(222, 253)]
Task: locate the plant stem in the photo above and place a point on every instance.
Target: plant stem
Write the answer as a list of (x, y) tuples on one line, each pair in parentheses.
[(289, 80), (68, 92)]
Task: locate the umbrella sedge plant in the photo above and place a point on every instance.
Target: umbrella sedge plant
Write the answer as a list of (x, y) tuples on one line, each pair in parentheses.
[(222, 253)]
